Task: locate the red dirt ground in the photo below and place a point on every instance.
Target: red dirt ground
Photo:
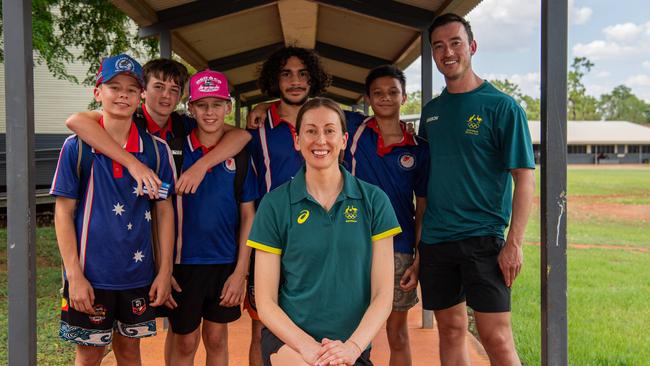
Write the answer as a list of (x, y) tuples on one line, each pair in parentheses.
[(424, 345)]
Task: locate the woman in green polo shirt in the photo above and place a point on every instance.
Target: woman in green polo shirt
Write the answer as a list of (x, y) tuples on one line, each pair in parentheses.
[(324, 259)]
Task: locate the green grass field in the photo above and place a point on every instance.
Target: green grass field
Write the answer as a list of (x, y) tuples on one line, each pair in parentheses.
[(607, 287), (51, 351)]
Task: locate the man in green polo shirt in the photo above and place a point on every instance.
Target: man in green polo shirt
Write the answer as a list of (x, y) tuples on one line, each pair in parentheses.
[(479, 144)]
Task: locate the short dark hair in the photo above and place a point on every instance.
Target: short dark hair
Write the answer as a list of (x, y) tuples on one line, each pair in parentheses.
[(447, 18), (386, 70), (165, 69), (269, 72)]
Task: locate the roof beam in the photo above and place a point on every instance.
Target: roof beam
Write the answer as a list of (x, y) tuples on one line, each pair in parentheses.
[(244, 58), (392, 11), (196, 12), (349, 56), (256, 100), (348, 85), (299, 21), (246, 87), (138, 10)]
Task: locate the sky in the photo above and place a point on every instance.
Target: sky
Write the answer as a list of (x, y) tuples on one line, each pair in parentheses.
[(613, 34)]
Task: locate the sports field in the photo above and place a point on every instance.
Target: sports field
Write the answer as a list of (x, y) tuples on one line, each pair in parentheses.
[(608, 260)]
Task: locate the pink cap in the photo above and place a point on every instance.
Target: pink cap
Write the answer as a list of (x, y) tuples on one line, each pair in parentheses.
[(208, 83)]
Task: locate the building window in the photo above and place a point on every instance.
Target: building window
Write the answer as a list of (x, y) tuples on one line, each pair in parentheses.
[(577, 149), (645, 149), (632, 149), (603, 149)]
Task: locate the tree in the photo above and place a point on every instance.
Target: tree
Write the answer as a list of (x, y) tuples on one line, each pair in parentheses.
[(413, 103), (528, 103), (95, 28), (580, 105), (622, 104)]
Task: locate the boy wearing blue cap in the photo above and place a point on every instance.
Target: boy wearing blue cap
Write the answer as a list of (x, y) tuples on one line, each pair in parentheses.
[(104, 230)]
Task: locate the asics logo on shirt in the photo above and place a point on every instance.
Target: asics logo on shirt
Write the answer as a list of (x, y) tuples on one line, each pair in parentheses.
[(431, 119), (304, 215)]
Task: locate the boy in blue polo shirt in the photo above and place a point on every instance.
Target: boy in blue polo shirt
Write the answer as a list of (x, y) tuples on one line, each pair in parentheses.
[(212, 258), (104, 228), (383, 152)]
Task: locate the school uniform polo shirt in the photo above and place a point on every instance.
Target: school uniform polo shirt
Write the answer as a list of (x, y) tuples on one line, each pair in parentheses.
[(112, 223), (399, 169), (326, 256), (272, 148), (475, 139), (165, 132), (209, 219)]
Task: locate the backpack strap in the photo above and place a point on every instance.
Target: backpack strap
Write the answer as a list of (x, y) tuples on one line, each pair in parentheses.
[(139, 119), (150, 147), (242, 159), (177, 143), (85, 158)]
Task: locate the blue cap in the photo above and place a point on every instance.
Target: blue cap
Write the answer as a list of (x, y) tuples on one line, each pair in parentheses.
[(121, 64)]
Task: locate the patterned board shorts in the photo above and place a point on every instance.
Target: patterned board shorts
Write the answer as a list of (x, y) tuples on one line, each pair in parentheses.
[(403, 300)]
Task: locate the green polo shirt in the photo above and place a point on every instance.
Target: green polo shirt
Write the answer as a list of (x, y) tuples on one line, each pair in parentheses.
[(475, 139), (326, 256)]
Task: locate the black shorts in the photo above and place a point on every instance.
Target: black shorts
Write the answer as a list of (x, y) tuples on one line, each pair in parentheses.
[(124, 311), (201, 286), (463, 270), (272, 344)]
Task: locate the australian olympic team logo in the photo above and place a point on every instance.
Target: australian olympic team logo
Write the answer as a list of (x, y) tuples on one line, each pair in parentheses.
[(230, 165), (124, 64), (406, 161), (208, 84), (473, 124), (302, 217), (100, 314), (351, 214)]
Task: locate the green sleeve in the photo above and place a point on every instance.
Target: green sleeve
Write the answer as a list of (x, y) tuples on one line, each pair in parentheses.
[(384, 221), (265, 233), (515, 141)]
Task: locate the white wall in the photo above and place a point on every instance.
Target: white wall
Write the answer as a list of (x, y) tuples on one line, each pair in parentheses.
[(54, 99)]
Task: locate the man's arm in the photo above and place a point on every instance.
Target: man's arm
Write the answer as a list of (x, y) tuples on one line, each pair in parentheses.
[(160, 288), (233, 290), (232, 142), (511, 257), (255, 119), (409, 280), (80, 292), (86, 126)]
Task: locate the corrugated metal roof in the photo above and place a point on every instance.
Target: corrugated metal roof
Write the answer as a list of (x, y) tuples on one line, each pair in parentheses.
[(598, 132)]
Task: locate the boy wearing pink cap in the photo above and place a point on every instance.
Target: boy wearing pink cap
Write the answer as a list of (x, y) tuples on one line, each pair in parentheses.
[(212, 258)]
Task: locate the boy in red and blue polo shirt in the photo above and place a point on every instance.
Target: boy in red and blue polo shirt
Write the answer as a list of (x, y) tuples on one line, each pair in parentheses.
[(383, 152), (212, 258), (104, 228)]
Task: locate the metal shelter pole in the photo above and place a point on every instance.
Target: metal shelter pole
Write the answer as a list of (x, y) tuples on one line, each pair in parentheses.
[(165, 44), (21, 209), (427, 94), (554, 182)]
